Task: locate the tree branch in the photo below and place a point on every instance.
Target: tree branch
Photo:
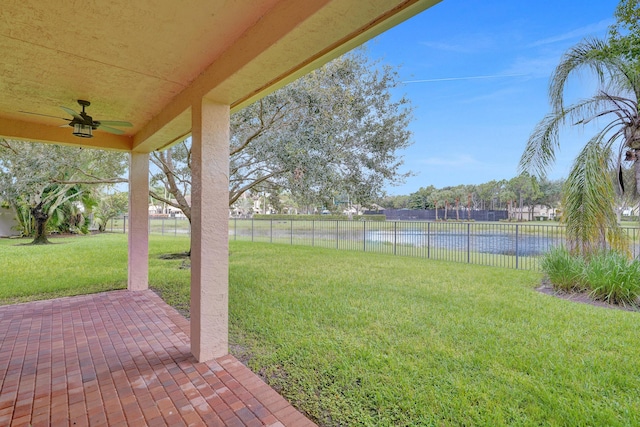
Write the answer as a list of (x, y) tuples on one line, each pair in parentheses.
[(97, 181)]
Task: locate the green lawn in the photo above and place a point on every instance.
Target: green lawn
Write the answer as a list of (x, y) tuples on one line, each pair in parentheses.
[(370, 339)]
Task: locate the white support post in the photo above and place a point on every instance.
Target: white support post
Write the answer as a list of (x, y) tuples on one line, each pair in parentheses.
[(209, 230), (138, 222)]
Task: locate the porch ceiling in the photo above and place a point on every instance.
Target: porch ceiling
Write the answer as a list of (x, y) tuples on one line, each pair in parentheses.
[(147, 61)]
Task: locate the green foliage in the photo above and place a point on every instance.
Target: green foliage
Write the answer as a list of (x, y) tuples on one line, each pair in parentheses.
[(371, 217), (490, 195), (592, 224), (564, 270), (396, 202), (607, 275), (613, 278), (110, 206), (49, 180), (625, 33), (335, 131), (422, 199)]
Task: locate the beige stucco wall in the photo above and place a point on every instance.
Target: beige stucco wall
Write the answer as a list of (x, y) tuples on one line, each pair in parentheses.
[(7, 222)]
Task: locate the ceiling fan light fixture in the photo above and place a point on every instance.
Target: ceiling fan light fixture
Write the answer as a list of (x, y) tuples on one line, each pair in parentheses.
[(83, 131)]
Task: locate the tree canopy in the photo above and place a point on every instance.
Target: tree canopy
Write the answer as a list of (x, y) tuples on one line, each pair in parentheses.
[(524, 190), (624, 35), (42, 178), (335, 131)]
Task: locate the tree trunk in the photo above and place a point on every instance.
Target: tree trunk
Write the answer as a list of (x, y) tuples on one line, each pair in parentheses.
[(636, 167), (41, 218)]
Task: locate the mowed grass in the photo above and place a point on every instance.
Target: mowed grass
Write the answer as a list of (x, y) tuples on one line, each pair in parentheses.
[(81, 265), (368, 339), (69, 266)]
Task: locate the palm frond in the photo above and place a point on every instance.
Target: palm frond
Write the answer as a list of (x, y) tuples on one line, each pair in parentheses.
[(541, 147), (540, 150), (593, 54), (589, 198)]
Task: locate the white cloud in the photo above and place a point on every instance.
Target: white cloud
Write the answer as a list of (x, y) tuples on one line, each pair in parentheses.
[(578, 33), (538, 66), (449, 79)]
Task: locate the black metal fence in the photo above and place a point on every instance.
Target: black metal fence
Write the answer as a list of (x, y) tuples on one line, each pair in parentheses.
[(506, 245), (166, 226)]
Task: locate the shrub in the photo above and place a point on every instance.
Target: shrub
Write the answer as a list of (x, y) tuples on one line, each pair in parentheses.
[(565, 271), (608, 276), (372, 217), (613, 278)]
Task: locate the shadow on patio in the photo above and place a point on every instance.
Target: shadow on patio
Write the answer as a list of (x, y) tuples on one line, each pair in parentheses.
[(122, 358)]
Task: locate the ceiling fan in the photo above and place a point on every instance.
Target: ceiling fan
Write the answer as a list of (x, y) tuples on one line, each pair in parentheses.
[(83, 124)]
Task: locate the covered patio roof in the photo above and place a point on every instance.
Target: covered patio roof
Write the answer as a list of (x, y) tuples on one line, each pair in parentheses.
[(171, 69), (146, 61)]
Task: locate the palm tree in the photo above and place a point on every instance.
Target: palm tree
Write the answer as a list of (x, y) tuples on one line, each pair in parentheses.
[(589, 193)]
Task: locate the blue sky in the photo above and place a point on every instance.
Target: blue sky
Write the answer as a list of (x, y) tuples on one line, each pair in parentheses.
[(477, 74)]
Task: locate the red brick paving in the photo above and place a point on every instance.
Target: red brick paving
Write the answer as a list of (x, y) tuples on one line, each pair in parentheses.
[(122, 358)]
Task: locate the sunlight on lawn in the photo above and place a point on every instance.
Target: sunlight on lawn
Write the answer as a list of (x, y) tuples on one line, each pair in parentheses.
[(368, 339)]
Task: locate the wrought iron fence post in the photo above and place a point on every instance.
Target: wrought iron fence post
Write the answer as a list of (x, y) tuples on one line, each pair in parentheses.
[(235, 228), (428, 240), (364, 236), (313, 232), (395, 236), (468, 242), (252, 227), (291, 222), (337, 231), (516, 246), (270, 230)]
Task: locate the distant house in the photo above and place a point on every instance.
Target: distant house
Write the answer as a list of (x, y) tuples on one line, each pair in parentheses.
[(538, 213), (164, 210)]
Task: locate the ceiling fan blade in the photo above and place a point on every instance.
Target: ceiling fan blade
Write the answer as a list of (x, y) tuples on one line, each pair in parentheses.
[(45, 115), (73, 113), (113, 123), (110, 130)]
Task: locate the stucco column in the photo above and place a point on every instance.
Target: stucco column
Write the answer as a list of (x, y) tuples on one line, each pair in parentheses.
[(138, 221), (209, 230)]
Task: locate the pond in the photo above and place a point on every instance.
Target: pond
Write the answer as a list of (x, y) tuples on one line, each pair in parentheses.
[(474, 241)]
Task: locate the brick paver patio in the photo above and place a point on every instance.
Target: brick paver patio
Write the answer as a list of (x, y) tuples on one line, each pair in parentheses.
[(122, 358)]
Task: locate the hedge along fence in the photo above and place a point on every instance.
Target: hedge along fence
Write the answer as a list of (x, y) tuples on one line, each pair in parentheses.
[(279, 217)]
